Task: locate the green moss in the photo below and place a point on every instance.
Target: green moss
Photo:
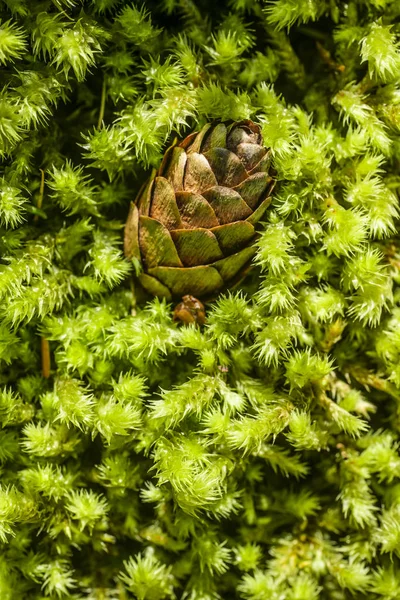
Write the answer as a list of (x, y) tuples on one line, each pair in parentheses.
[(253, 458)]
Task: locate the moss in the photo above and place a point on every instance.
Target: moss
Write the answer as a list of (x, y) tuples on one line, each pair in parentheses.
[(255, 457)]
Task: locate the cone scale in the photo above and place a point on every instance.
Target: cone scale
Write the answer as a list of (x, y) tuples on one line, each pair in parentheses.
[(192, 226)]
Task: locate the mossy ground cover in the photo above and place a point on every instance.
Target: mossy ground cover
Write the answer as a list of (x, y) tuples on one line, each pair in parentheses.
[(255, 457)]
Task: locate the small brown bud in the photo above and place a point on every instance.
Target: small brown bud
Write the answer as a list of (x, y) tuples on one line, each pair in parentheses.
[(190, 310)]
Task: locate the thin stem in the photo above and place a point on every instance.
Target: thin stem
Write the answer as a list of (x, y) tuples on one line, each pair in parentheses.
[(369, 379), (102, 104), (328, 60), (41, 194), (46, 360), (133, 290), (366, 84), (314, 33)]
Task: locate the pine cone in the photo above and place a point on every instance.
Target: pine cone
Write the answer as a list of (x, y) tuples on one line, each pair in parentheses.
[(193, 225)]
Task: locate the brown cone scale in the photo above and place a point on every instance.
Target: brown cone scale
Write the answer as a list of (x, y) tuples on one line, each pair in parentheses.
[(192, 226)]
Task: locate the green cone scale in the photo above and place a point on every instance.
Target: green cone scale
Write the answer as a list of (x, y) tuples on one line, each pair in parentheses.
[(192, 226)]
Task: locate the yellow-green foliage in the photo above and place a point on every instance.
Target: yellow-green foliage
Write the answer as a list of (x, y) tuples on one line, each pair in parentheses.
[(254, 458)]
